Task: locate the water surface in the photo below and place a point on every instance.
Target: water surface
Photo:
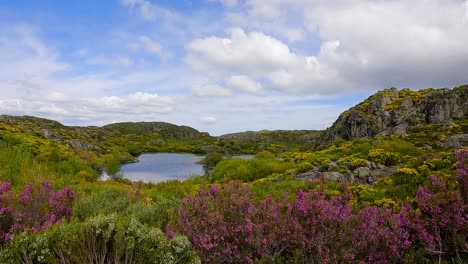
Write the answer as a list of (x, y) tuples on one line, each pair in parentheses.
[(158, 167)]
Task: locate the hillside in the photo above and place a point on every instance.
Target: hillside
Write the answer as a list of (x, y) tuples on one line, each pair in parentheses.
[(274, 141), (132, 137)]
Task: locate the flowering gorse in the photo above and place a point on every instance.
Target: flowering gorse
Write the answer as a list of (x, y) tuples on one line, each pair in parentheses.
[(33, 209)]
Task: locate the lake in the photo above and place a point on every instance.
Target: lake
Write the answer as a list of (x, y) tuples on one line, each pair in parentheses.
[(158, 167)]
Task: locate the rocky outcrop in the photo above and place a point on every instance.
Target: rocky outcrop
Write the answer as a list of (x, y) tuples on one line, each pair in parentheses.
[(394, 111), (359, 175), (456, 141), (81, 145)]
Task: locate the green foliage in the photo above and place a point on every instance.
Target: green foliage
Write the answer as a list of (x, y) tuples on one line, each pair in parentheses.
[(406, 182), (211, 159), (248, 170), (18, 167), (264, 155), (54, 156), (304, 166), (357, 162), (103, 239), (113, 165), (155, 213), (396, 145), (384, 157), (105, 201)]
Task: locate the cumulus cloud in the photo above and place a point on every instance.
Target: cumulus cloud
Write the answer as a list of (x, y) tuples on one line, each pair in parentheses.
[(108, 107), (33, 81), (211, 90), (256, 55), (209, 120), (135, 103), (252, 52), (244, 83), (366, 45)]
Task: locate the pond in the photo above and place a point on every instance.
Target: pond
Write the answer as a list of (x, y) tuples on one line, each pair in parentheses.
[(158, 167)]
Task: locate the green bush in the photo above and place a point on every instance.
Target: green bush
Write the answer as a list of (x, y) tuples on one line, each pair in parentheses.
[(106, 201), (248, 170), (113, 165), (384, 157), (303, 167), (156, 213), (211, 159), (102, 239), (264, 155)]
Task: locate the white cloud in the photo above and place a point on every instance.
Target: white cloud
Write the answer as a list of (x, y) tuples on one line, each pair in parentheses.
[(245, 84), (153, 47), (56, 97), (208, 120), (256, 55), (253, 52), (381, 43), (149, 11), (110, 61), (139, 102), (363, 45), (212, 90)]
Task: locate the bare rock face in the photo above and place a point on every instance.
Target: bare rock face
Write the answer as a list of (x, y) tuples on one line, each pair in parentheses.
[(457, 141), (362, 172), (81, 145), (394, 111)]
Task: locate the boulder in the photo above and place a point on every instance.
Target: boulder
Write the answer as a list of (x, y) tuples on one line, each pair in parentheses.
[(361, 172)]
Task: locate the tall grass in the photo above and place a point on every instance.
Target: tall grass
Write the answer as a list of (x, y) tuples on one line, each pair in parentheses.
[(20, 168)]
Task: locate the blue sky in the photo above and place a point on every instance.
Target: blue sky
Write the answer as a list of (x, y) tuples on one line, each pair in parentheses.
[(222, 65)]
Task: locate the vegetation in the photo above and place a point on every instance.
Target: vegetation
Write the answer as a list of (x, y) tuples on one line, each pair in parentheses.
[(102, 239), (385, 199)]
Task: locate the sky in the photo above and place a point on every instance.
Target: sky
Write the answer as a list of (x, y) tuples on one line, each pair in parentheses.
[(222, 66)]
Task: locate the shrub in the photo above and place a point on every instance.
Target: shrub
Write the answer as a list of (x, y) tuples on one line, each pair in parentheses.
[(441, 221), (34, 208), (105, 201), (384, 157), (211, 159), (248, 170), (357, 162), (227, 225), (155, 213), (462, 173), (113, 166), (407, 171), (264, 155), (304, 166), (102, 239)]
